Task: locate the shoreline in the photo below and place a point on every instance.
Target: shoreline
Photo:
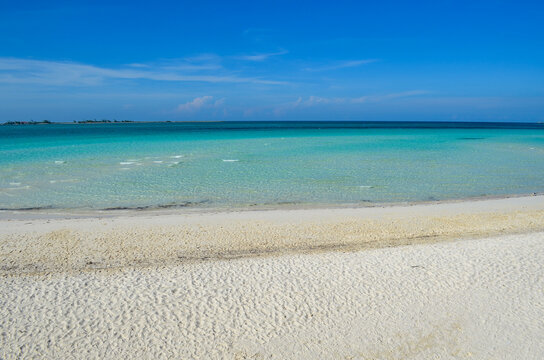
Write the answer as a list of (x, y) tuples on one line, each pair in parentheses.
[(107, 121), (141, 239), (49, 212)]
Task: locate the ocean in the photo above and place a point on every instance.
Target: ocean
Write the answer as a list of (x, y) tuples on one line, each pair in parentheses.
[(243, 164)]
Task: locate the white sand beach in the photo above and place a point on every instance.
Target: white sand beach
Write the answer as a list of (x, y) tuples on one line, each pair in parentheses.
[(460, 280)]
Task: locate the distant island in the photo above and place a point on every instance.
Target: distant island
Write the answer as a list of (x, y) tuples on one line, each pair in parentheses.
[(47, 122)]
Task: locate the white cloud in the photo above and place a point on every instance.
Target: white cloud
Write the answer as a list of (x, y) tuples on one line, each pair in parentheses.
[(199, 103), (219, 102), (195, 104), (376, 98), (312, 101), (25, 71), (138, 65), (208, 57), (341, 65), (261, 57)]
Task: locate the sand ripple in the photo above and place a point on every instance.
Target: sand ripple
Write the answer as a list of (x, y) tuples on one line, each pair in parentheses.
[(474, 299), (74, 245)]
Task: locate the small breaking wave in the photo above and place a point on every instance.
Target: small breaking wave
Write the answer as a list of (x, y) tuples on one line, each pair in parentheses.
[(16, 188), (63, 181)]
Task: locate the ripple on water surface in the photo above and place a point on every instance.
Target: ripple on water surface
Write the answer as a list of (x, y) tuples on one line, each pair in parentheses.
[(279, 165)]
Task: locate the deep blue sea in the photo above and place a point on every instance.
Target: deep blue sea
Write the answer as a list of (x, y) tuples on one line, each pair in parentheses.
[(238, 164)]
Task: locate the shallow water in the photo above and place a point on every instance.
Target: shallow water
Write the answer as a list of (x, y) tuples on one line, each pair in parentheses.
[(244, 163)]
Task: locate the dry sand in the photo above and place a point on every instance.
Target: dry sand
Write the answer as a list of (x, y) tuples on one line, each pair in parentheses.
[(44, 245), (75, 288), (477, 299)]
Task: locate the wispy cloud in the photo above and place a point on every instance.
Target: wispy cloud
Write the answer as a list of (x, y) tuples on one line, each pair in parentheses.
[(341, 65), (25, 71), (199, 103), (376, 98), (261, 57), (138, 65), (316, 100), (192, 63), (312, 101)]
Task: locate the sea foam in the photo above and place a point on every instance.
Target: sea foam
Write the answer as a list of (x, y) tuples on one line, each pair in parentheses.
[(63, 181)]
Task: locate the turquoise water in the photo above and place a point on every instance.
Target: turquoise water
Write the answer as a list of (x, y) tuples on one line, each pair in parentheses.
[(239, 164)]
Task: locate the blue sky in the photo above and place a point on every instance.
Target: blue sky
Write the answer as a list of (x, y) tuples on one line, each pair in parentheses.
[(280, 60)]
